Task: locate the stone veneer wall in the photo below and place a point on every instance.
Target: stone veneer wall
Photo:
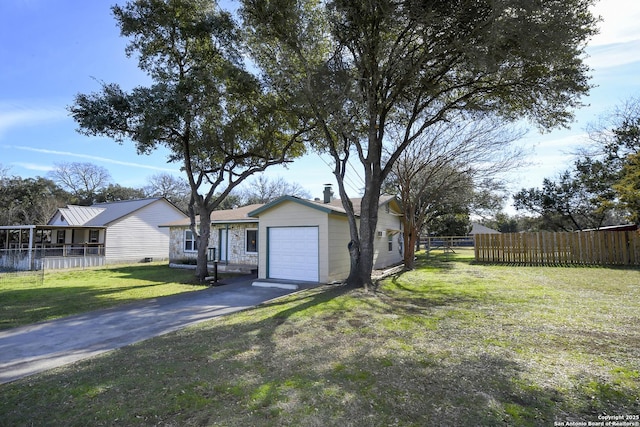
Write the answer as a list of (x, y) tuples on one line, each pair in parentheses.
[(176, 245), (237, 254)]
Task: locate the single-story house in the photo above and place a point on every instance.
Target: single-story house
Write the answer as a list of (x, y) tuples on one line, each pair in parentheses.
[(306, 240), (292, 238), (81, 236)]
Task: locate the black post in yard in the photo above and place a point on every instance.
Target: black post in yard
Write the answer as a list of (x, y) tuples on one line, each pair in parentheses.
[(215, 271)]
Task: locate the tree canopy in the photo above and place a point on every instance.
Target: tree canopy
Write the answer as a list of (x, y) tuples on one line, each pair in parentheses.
[(216, 118), (174, 189), (372, 76), (29, 200), (261, 189)]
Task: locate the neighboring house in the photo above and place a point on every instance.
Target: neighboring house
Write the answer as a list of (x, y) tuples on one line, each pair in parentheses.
[(105, 233), (619, 227), (305, 240), (290, 238), (233, 241), (481, 229)]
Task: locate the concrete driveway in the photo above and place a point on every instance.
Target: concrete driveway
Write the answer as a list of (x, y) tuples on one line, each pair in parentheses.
[(30, 349)]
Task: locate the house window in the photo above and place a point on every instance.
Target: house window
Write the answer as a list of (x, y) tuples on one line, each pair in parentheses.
[(93, 236), (190, 242), (60, 237), (390, 241), (251, 240)]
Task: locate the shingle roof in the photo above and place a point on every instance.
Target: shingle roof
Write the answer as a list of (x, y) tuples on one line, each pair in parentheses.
[(325, 207), (235, 215), (356, 202), (249, 213), (223, 216), (333, 206)]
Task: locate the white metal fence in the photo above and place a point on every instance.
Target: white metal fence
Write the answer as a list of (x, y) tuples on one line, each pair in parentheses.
[(20, 260)]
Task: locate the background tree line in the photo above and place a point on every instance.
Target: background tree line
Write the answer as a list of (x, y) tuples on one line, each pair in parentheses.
[(35, 200), (603, 185)]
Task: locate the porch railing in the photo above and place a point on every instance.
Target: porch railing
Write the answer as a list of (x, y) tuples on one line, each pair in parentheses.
[(64, 250), (23, 259)]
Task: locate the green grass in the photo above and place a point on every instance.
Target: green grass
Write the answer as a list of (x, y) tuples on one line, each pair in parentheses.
[(63, 293), (451, 343)]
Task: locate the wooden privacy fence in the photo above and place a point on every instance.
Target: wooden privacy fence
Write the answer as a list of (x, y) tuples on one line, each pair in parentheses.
[(583, 247)]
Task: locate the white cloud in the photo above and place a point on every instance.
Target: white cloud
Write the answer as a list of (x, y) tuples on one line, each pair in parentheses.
[(91, 157), (33, 166), (11, 117), (550, 157), (619, 21), (564, 144), (614, 55)]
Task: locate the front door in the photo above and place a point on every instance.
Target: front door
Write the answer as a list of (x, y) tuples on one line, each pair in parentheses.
[(223, 236)]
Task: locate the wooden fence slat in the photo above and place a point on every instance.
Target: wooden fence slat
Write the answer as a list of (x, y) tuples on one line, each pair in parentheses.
[(582, 248)]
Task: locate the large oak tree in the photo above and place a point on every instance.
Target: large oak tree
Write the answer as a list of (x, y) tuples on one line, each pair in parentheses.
[(216, 118), (363, 70)]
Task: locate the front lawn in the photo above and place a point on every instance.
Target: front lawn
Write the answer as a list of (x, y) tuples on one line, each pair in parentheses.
[(449, 344), (26, 299)]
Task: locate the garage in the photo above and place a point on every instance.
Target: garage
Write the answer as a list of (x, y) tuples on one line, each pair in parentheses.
[(293, 253)]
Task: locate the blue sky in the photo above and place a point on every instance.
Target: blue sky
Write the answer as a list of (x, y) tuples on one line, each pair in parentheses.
[(51, 50)]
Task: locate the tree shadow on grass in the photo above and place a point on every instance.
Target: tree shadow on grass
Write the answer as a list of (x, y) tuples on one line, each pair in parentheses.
[(26, 306), (253, 373), (308, 359), (312, 359), (159, 274)]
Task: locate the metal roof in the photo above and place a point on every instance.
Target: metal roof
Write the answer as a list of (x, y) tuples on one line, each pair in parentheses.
[(100, 214), (116, 210), (77, 215)]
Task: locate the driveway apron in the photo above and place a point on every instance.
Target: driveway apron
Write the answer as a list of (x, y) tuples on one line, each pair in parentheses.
[(35, 348)]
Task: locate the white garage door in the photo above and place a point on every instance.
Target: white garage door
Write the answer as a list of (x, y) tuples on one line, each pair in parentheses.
[(293, 253)]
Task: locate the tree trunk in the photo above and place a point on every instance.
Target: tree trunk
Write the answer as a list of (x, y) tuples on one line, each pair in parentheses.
[(354, 257), (410, 239), (368, 223), (202, 270)]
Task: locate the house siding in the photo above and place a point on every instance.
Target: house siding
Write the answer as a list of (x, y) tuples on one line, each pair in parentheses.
[(137, 236), (388, 224), (339, 238)]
